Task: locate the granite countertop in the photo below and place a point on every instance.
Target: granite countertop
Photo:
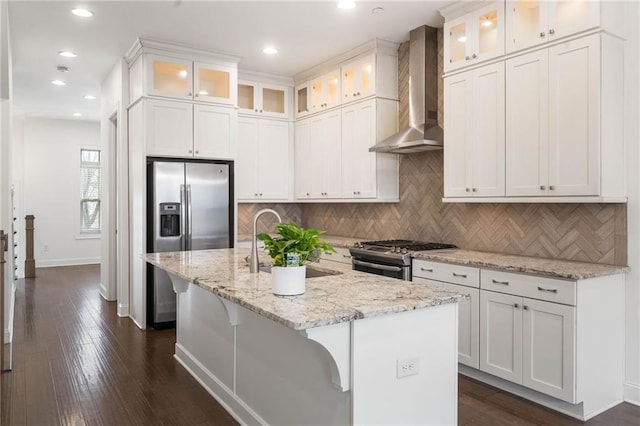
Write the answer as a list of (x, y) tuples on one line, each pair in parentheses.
[(346, 296), (529, 265)]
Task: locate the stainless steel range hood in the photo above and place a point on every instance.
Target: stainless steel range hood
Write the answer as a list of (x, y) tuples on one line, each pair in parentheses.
[(423, 133)]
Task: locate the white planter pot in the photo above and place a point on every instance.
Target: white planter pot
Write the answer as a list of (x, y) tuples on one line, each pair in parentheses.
[(288, 281)]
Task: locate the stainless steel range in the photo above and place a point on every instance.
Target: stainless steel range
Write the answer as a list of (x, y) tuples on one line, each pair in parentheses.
[(391, 258)]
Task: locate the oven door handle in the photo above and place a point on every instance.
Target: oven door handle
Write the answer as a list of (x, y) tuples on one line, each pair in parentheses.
[(377, 266)]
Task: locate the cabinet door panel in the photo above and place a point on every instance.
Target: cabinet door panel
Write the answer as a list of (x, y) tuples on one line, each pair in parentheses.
[(246, 167), (527, 23), (458, 118), (501, 335), (274, 101), (457, 38), (315, 161), (574, 128), (548, 349), (332, 155), (488, 32), (571, 16), (273, 160), (170, 77), (215, 83), (488, 144), (169, 128), (247, 97), (303, 155), (527, 124), (358, 164), (214, 132)]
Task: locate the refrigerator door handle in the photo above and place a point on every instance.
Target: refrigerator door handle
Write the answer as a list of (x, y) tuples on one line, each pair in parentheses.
[(189, 217), (183, 217)]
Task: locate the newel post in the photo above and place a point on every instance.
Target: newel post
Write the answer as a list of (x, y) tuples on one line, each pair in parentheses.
[(29, 261)]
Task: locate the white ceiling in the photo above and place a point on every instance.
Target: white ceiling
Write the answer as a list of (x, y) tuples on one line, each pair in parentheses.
[(305, 32)]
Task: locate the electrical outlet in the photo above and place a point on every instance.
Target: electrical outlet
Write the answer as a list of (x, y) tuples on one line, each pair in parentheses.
[(407, 367), (46, 248)]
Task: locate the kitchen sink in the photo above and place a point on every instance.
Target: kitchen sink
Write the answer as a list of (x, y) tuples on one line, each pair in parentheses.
[(311, 272)]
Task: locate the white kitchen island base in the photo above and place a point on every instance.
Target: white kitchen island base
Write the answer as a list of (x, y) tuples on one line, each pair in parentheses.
[(263, 372)]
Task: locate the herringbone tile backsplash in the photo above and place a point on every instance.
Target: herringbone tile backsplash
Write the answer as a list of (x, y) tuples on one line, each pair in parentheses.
[(287, 212), (584, 232)]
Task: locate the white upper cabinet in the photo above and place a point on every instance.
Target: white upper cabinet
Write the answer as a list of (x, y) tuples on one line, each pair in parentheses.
[(182, 129), (325, 91), (474, 147), (265, 100), (553, 120), (359, 78), (263, 160), (534, 22), (215, 83), (183, 79), (474, 37)]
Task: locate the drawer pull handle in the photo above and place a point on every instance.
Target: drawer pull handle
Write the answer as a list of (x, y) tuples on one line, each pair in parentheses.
[(500, 282), (525, 307), (346, 256), (515, 305), (426, 269), (550, 290), (459, 275)]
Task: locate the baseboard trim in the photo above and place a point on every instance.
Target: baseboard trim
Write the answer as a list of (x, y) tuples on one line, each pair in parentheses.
[(103, 292), (136, 322), (123, 310), (632, 393), (235, 406), (67, 262)]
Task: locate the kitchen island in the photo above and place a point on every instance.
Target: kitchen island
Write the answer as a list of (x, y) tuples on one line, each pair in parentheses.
[(356, 348)]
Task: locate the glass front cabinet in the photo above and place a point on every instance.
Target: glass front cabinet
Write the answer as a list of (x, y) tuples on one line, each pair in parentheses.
[(358, 79), (533, 22), (184, 79), (474, 37), (265, 100)]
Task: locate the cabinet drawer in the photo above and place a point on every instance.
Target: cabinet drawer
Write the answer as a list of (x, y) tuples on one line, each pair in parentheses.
[(552, 290), (456, 274), (342, 256)]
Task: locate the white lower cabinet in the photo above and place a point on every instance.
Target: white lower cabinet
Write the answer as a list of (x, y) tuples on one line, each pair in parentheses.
[(530, 342), (468, 311), (262, 166), (341, 259)]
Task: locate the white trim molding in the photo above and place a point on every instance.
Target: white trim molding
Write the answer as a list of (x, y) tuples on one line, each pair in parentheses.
[(632, 393), (52, 263), (7, 335)]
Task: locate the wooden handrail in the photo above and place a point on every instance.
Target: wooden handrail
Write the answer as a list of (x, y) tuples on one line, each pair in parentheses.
[(29, 261)]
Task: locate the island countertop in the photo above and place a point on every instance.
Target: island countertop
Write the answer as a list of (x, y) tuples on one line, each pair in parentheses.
[(345, 296)]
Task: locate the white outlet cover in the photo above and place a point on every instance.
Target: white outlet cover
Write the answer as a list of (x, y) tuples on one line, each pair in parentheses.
[(407, 367)]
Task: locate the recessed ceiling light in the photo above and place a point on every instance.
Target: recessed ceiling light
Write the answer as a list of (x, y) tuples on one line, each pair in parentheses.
[(377, 10), (89, 97), (270, 50), (346, 4), (77, 114), (67, 54), (58, 82), (83, 13)]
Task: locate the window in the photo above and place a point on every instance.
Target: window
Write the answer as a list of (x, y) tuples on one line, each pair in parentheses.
[(89, 191)]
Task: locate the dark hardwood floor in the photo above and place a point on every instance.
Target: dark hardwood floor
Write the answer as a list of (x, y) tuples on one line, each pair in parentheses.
[(76, 362)]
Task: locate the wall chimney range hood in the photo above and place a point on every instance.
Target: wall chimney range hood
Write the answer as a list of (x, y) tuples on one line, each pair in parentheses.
[(423, 133)]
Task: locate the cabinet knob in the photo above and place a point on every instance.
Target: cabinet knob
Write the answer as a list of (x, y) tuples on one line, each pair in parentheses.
[(255, 110), (261, 194), (466, 58), (197, 94), (354, 94), (515, 305), (525, 307), (354, 193), (358, 192), (190, 151), (542, 187), (346, 95), (551, 187), (474, 56), (197, 152), (467, 190), (358, 93), (307, 194), (542, 34), (552, 31), (189, 94), (474, 190), (255, 194), (260, 110)]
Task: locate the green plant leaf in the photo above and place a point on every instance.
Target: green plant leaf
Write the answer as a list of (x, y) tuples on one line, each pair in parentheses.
[(294, 239)]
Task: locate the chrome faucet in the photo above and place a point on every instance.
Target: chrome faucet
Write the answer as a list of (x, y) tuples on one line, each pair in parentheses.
[(253, 262)]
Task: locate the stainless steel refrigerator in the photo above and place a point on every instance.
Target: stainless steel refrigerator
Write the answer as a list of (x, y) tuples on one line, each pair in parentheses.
[(189, 207)]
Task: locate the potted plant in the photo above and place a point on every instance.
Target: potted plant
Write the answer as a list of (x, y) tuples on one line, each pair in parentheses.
[(291, 250)]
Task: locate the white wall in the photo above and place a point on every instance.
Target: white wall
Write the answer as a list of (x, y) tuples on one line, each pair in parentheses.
[(114, 273), (5, 168), (632, 138), (52, 189)]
